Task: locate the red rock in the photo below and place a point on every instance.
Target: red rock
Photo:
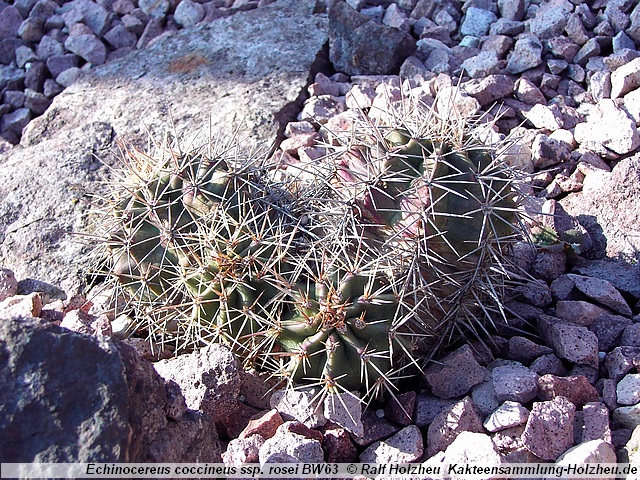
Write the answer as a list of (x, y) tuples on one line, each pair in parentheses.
[(301, 429), (263, 423), (549, 429), (576, 389), (337, 445)]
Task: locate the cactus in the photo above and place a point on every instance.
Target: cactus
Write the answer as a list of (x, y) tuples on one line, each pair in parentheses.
[(197, 247), (343, 276), (442, 208)]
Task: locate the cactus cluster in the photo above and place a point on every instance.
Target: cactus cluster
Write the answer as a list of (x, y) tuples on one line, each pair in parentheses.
[(347, 279)]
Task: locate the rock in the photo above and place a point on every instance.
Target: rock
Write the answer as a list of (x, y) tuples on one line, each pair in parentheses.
[(345, 410), (264, 424), (460, 417), (625, 78), (624, 277), (631, 451), (246, 72), (579, 312), (549, 429), (481, 65), (514, 383), (188, 13), (574, 343), (524, 350), (628, 389), (593, 451), (542, 116), (243, 450), (375, 428), (609, 127), (337, 446), (55, 416), (358, 45), (509, 414), (512, 10), (427, 407), (576, 389), (548, 264), (621, 360), (120, 37), (10, 22), (8, 284), (471, 448), (395, 17), (404, 447), (550, 20), (301, 405), (631, 336), (154, 8), (22, 305), (628, 417), (536, 293), (526, 54), (57, 64), (484, 397), (608, 329), (401, 407), (602, 291), (209, 379), (596, 422), (455, 374), (476, 22), (87, 46), (489, 89), (295, 445)]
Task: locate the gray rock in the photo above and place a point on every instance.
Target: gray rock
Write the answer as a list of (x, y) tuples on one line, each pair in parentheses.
[(404, 447), (481, 65), (624, 277), (512, 9), (24, 55), (246, 72), (243, 450), (68, 77), (526, 54), (509, 414), (625, 78), (31, 30), (154, 8), (14, 98), (477, 21), (427, 407), (395, 17), (472, 448), (550, 20), (514, 383), (188, 13), (10, 22), (549, 429), (547, 151), (622, 41), (87, 46), (608, 329), (460, 417), (628, 389), (36, 102), (120, 37), (44, 9), (49, 47), (51, 415), (358, 45), (345, 410), (489, 89), (631, 336), (506, 27), (548, 364), (610, 127), (15, 121), (454, 375), (563, 48), (484, 397), (524, 350), (301, 405), (593, 451), (621, 360), (296, 446), (59, 63), (588, 50), (634, 29), (209, 380), (602, 291), (575, 29), (628, 417), (574, 343), (596, 422)]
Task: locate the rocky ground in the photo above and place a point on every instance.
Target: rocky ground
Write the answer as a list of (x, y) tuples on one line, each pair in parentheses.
[(562, 77)]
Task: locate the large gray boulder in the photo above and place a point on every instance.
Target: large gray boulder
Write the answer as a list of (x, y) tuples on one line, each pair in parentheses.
[(69, 397), (249, 70)]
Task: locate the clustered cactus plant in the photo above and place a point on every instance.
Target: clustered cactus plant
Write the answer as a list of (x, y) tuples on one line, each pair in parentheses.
[(395, 241)]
